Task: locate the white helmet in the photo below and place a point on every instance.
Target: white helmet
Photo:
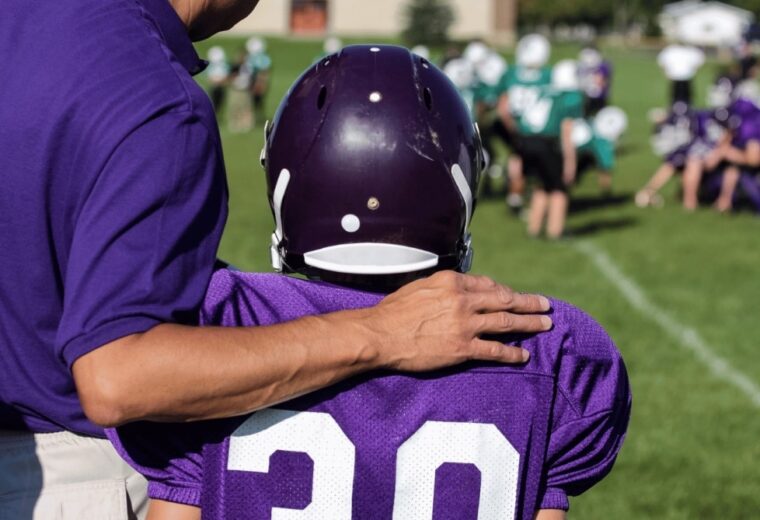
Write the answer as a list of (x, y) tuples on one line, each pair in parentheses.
[(476, 52), (610, 123), (421, 51), (719, 94), (216, 54), (565, 75), (581, 133), (590, 57), (533, 51), (255, 45), (491, 70), (332, 45), (460, 72)]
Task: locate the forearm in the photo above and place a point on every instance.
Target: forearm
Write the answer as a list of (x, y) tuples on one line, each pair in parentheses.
[(179, 373), (750, 156)]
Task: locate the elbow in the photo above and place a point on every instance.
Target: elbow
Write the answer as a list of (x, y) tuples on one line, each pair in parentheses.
[(102, 409), (104, 389)]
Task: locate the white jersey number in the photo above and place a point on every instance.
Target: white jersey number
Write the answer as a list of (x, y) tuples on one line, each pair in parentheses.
[(318, 435)]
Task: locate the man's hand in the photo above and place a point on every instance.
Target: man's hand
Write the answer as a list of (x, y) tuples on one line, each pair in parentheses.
[(438, 321)]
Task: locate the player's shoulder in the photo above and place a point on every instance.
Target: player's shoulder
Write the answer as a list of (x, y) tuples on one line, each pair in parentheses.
[(575, 340), (244, 298)]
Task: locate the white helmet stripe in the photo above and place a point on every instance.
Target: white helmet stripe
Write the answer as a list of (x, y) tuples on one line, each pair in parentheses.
[(464, 191), (277, 196)]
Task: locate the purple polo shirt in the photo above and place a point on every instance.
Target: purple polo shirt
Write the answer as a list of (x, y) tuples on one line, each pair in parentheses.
[(112, 192)]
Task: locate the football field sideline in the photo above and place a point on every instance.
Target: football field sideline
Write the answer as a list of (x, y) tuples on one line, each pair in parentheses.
[(685, 336)]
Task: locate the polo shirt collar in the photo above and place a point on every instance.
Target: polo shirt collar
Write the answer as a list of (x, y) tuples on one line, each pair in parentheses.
[(174, 34)]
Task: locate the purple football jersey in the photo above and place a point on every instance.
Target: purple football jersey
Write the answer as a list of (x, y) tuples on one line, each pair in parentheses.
[(745, 122), (483, 440), (595, 80)]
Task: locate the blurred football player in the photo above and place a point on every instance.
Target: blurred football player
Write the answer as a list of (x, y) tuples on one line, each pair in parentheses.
[(595, 75), (688, 140), (522, 88), (379, 192), (489, 85), (741, 152), (259, 66), (217, 72), (595, 140), (547, 148)]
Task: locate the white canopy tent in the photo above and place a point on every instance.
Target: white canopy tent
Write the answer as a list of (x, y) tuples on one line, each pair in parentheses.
[(705, 24)]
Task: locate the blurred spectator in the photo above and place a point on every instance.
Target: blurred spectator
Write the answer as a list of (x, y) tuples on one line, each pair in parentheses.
[(259, 66), (680, 64), (217, 72), (239, 115)]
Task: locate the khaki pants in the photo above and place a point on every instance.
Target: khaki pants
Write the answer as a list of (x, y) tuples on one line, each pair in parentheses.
[(64, 476)]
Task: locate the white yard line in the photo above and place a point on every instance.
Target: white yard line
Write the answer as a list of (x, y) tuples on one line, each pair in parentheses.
[(684, 335)]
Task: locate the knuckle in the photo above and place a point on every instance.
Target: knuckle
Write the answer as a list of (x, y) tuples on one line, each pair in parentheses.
[(508, 296), (507, 321)]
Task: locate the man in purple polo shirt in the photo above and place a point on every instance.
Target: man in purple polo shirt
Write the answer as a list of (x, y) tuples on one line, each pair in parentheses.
[(112, 204)]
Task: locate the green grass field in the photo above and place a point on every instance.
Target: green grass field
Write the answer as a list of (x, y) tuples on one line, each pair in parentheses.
[(693, 447)]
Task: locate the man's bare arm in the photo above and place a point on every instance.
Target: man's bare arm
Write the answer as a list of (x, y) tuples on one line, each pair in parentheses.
[(181, 373)]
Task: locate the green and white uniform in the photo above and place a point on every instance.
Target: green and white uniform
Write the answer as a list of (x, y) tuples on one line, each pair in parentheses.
[(544, 116), (588, 143), (523, 86)]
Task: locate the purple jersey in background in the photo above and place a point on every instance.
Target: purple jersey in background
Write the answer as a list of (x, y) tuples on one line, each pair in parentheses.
[(595, 80), (485, 440), (744, 122)]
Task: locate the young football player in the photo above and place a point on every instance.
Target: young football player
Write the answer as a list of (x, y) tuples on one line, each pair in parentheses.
[(595, 75), (741, 153), (521, 89), (595, 140), (547, 148), (689, 142), (372, 164)]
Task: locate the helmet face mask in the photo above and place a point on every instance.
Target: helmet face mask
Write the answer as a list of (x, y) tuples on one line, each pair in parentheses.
[(372, 165)]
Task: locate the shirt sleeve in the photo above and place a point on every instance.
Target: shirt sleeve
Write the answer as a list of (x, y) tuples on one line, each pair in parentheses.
[(590, 414), (169, 456), (145, 237)]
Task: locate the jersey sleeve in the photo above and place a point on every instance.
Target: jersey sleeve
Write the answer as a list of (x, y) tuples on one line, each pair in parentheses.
[(146, 234), (169, 456), (590, 413)]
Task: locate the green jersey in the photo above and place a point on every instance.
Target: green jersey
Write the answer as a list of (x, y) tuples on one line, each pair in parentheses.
[(489, 94), (523, 86), (588, 142), (544, 117)]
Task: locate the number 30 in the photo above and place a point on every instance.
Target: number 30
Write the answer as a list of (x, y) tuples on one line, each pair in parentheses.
[(417, 459)]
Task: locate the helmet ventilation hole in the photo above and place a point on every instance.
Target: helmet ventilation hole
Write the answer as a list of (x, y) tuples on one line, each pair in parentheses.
[(425, 63), (322, 97), (428, 97)]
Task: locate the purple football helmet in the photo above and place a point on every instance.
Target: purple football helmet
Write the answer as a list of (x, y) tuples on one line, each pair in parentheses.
[(372, 165)]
